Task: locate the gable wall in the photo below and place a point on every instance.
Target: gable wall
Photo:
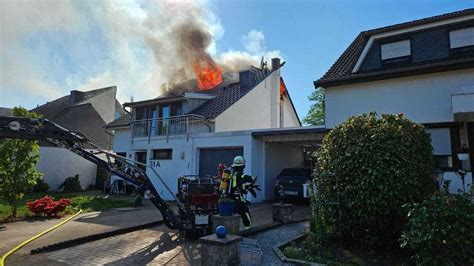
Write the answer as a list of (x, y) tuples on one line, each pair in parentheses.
[(290, 119), (104, 104), (257, 109)]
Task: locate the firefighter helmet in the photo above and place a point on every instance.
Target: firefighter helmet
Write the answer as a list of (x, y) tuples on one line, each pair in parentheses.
[(239, 161)]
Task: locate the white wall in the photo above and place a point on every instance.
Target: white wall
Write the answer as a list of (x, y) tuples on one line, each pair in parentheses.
[(277, 157), (57, 164), (290, 119), (260, 108), (186, 155), (422, 98), (456, 183), (121, 141)]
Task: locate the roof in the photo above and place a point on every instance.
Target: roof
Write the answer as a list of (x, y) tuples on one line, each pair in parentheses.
[(6, 111), (227, 96), (290, 130), (161, 99), (51, 109), (341, 71), (123, 121)]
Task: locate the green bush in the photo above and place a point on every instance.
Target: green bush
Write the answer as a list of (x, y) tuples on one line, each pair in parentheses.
[(378, 165), (71, 184), (40, 186), (441, 231)]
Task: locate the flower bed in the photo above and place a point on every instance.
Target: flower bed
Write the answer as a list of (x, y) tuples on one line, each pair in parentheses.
[(48, 206), (298, 251)]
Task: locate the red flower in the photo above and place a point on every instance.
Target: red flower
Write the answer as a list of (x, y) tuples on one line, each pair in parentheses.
[(48, 206)]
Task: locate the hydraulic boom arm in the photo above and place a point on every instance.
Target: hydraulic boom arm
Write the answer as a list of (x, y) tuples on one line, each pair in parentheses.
[(47, 131)]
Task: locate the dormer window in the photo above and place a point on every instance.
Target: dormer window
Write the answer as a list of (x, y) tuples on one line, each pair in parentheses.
[(461, 42), (395, 54)]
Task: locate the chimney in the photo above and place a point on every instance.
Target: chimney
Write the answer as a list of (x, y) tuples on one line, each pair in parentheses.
[(275, 63), (247, 78), (75, 96)]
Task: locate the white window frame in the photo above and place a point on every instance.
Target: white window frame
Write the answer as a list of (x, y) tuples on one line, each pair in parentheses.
[(395, 49)]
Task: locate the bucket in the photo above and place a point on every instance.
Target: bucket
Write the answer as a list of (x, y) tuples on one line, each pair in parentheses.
[(226, 208)]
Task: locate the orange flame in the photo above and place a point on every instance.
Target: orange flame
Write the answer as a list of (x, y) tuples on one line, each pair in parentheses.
[(208, 74)]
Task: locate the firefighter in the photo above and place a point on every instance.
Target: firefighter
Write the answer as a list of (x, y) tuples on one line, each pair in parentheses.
[(237, 185)]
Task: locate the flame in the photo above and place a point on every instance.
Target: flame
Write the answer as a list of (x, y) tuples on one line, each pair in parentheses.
[(208, 74)]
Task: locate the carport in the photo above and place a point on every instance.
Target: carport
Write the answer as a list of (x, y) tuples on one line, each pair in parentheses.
[(287, 147)]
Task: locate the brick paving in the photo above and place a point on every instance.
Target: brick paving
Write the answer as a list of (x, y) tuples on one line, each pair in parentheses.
[(154, 246)]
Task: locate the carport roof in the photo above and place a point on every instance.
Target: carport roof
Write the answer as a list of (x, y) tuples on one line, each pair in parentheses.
[(290, 130), (302, 136)]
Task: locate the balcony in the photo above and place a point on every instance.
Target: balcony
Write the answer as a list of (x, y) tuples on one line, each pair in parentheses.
[(176, 125)]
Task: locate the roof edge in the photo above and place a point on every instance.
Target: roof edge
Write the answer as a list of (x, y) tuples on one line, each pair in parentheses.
[(464, 63)]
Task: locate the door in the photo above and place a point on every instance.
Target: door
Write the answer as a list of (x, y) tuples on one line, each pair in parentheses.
[(141, 157), (209, 159)]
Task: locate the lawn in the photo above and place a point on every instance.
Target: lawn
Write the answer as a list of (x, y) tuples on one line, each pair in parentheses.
[(87, 201)]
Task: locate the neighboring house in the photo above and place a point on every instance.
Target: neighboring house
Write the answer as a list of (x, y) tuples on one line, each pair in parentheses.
[(423, 69), (191, 133), (86, 112), (6, 111)]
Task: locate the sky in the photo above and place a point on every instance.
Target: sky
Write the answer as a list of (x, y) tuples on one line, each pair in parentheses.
[(49, 47)]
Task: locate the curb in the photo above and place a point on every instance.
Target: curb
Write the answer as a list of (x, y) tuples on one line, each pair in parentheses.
[(266, 227), (90, 238), (283, 258)]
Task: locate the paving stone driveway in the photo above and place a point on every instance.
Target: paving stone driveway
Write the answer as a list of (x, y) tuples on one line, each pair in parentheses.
[(155, 246)]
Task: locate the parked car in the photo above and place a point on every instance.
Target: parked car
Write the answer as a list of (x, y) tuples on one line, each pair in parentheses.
[(290, 183)]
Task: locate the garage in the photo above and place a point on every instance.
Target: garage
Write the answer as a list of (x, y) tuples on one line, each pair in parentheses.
[(287, 148), (209, 158)]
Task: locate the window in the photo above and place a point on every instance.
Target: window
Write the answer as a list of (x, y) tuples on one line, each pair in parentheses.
[(461, 38), (441, 142), (163, 154), (395, 49), (444, 162), (462, 42)]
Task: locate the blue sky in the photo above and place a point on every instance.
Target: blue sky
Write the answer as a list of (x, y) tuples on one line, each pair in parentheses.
[(91, 44)]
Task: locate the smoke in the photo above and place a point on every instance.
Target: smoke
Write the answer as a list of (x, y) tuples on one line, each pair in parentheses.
[(145, 48)]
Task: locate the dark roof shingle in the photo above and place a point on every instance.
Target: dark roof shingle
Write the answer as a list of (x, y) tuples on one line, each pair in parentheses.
[(227, 96), (123, 121), (341, 70), (6, 111), (51, 109)]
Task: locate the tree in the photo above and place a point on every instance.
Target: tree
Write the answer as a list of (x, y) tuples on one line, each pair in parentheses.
[(18, 159), (315, 116)]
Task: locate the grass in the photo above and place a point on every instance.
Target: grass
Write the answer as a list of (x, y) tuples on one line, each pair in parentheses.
[(87, 201)]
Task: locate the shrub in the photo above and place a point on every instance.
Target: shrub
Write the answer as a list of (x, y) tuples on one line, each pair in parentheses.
[(377, 165), (71, 184), (441, 231), (47, 206), (40, 186)]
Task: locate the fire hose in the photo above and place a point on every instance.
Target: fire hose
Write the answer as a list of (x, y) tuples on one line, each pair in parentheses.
[(4, 257)]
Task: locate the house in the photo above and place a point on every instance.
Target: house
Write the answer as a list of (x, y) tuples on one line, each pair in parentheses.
[(423, 69), (190, 133), (87, 112)]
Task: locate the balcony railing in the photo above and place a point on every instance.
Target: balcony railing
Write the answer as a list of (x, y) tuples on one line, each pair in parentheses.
[(176, 125)]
